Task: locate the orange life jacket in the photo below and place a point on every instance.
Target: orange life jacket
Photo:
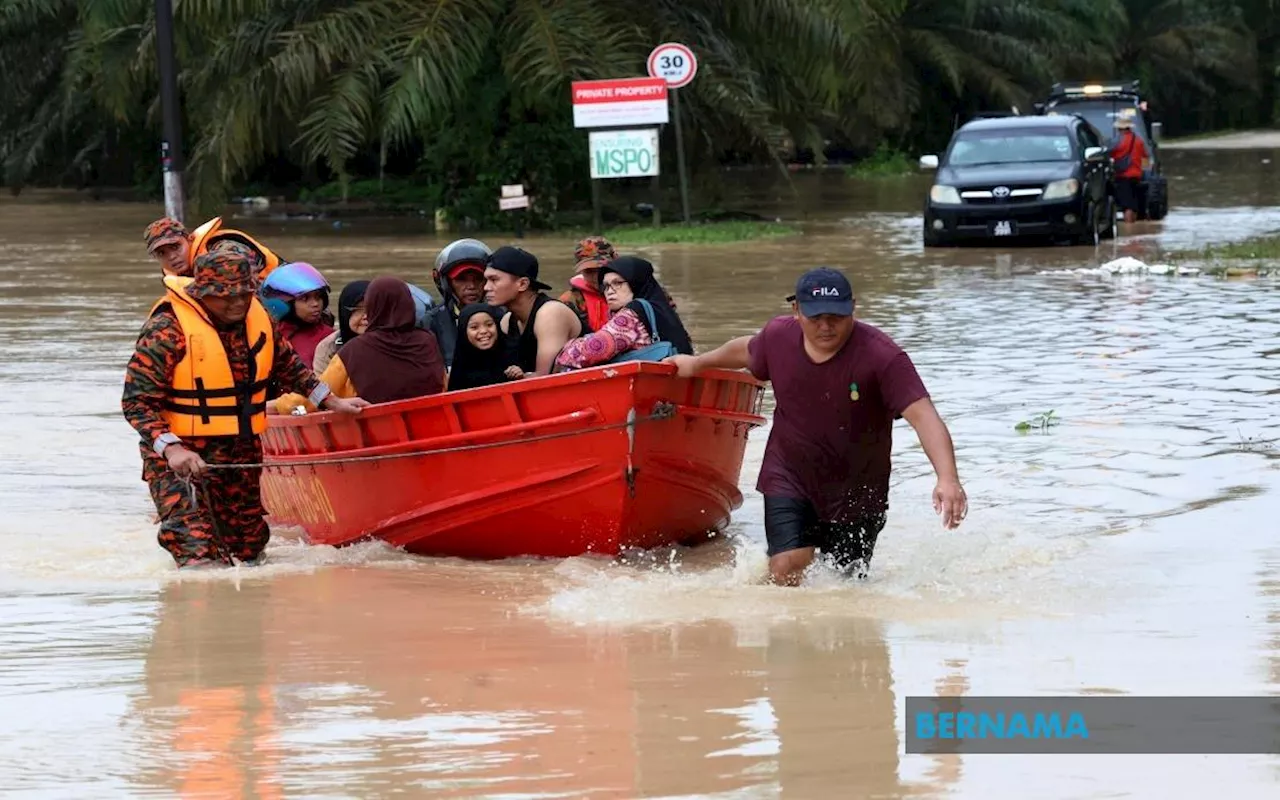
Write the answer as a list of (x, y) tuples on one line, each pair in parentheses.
[(204, 399), (203, 237), (597, 306)]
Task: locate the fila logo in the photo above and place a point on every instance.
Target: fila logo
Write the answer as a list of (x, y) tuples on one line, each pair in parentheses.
[(826, 291)]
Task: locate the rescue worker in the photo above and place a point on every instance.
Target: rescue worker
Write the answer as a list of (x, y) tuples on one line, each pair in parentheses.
[(196, 393), (536, 326), (211, 235), (1128, 153), (459, 275), (584, 295), (169, 243)]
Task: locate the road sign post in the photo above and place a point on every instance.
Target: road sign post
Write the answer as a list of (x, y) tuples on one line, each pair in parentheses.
[(677, 65), (607, 106), (513, 199)]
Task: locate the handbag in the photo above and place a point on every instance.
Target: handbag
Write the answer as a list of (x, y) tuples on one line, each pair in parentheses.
[(654, 352)]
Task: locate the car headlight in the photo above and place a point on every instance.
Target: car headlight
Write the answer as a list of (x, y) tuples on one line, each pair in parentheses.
[(1061, 190), (944, 195)]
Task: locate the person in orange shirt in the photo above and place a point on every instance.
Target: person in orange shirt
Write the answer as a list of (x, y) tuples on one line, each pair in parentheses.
[(1128, 152)]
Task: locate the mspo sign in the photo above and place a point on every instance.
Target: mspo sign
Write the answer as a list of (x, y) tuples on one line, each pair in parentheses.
[(627, 101), (624, 154)]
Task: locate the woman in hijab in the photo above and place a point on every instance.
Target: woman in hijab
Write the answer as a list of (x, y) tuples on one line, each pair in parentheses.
[(352, 321), (392, 360), (479, 355), (633, 295)]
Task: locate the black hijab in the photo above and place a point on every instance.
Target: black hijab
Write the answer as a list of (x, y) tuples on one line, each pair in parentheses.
[(473, 367), (638, 274), (351, 296)]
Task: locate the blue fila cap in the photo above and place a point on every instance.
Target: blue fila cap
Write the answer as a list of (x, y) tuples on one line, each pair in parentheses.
[(823, 291)]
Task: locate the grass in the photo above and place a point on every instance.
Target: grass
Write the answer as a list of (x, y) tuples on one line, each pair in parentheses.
[(885, 162), (1257, 256), (705, 233)]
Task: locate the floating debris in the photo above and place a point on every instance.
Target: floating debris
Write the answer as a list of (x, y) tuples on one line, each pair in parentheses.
[(1128, 265)]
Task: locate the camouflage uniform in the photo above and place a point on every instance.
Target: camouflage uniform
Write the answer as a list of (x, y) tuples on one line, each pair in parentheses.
[(226, 519), (166, 230)]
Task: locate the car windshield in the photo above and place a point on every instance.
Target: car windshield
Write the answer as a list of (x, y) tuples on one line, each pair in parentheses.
[(1009, 146), (1101, 114)]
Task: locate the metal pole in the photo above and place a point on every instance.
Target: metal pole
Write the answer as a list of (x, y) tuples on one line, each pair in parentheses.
[(597, 215), (684, 175), (171, 147)]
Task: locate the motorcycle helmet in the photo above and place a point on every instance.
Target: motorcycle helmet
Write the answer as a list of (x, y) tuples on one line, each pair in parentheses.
[(294, 280), (462, 251)]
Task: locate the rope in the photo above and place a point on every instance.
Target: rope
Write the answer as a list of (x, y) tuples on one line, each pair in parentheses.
[(661, 411)]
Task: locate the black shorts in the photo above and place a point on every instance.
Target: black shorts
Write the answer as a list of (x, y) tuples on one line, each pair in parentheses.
[(1129, 194), (791, 523)]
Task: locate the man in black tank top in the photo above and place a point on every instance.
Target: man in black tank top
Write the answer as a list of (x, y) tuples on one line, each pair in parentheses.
[(537, 326)]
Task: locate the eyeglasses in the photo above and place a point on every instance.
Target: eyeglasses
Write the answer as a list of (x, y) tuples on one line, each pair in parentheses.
[(607, 285)]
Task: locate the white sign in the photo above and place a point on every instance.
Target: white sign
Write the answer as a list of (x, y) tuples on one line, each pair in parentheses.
[(511, 203), (628, 101), (674, 63), (624, 154), (513, 190)]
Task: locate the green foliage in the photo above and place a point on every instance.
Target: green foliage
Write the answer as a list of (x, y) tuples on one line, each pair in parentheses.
[(708, 233), (885, 162), (1256, 249), (1040, 422), (463, 95)]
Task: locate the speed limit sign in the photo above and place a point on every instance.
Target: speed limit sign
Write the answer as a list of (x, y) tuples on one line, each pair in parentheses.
[(674, 63)]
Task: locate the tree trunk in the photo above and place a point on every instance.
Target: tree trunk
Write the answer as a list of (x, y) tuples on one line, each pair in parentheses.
[(1268, 61)]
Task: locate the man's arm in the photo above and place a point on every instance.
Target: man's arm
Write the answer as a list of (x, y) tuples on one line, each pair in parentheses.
[(733, 354), (161, 345), (948, 496), (553, 331)]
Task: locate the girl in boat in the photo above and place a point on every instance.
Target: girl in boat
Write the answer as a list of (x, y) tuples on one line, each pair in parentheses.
[(392, 360), (352, 321), (643, 325), (480, 357), (307, 321)]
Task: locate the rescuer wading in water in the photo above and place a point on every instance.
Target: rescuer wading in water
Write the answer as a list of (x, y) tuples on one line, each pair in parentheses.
[(196, 392)]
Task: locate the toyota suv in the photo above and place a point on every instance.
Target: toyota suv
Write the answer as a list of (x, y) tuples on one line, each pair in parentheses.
[(1021, 177)]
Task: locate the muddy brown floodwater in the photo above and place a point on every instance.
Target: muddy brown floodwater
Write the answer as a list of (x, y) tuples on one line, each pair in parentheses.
[(1132, 549)]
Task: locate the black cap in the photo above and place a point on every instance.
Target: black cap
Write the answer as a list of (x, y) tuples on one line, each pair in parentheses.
[(823, 291), (521, 263)]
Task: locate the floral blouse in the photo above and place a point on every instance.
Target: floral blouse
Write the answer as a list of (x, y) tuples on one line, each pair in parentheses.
[(623, 332)]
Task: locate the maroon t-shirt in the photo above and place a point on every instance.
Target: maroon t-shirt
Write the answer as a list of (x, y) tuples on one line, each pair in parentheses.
[(833, 422)]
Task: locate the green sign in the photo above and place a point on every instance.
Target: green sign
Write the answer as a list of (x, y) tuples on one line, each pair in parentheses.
[(624, 154)]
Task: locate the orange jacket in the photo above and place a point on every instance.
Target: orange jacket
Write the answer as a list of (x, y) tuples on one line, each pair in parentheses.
[(1129, 154), (203, 237)]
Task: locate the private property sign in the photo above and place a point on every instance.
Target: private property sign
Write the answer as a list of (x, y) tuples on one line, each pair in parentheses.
[(624, 154), (626, 101)]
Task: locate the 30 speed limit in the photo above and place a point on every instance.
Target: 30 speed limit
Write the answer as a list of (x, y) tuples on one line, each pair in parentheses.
[(674, 63)]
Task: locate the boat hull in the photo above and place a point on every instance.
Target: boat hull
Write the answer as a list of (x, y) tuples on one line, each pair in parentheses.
[(597, 461)]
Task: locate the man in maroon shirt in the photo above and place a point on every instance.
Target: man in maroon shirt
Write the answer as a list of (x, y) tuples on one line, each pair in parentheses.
[(838, 385)]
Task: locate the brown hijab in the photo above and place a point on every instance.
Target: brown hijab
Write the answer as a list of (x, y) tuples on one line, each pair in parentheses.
[(393, 360)]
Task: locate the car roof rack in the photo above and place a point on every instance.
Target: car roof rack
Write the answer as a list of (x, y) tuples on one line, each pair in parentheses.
[(994, 115), (1082, 89)]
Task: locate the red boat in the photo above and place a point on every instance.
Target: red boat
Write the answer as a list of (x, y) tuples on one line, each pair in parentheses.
[(594, 461)]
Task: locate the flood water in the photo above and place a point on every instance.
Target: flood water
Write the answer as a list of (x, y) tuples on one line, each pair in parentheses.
[(1131, 549)]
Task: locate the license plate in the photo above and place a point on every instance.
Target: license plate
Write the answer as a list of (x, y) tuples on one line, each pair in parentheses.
[(1004, 228)]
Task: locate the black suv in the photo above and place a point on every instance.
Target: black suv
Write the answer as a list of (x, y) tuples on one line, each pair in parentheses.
[(1021, 176), (1101, 104)]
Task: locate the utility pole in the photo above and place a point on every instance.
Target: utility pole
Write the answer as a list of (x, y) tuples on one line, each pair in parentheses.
[(171, 146)]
